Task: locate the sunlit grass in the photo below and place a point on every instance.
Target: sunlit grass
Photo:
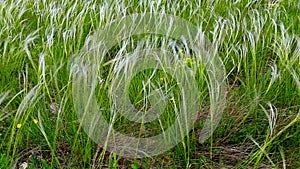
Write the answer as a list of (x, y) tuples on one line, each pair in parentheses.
[(257, 41)]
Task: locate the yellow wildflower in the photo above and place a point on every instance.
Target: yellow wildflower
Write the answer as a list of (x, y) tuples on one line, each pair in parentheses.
[(188, 60), (19, 126), (35, 121)]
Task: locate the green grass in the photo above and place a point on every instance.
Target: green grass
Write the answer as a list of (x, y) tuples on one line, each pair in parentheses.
[(258, 44)]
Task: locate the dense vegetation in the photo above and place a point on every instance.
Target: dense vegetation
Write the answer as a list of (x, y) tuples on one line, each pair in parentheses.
[(257, 41)]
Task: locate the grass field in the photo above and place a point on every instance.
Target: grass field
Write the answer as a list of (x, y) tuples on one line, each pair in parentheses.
[(257, 42)]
